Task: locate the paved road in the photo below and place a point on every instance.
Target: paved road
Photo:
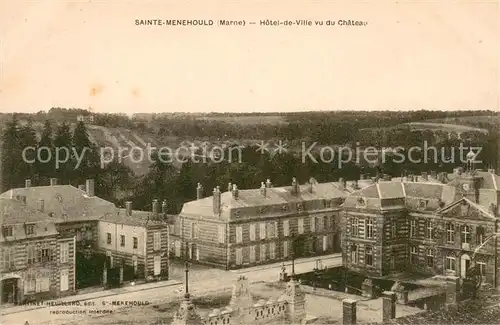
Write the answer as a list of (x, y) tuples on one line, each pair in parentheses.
[(201, 283)]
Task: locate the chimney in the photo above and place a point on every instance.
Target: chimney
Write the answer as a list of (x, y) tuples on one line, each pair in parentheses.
[(295, 186), (156, 207), (229, 187), (425, 177), (263, 189), (341, 183), (128, 208), (41, 205), (81, 187), (434, 174), (268, 183), (164, 207), (216, 201), (235, 191), (53, 181), (199, 191), (27, 183), (90, 187)]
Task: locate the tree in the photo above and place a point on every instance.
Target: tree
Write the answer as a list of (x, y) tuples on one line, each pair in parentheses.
[(64, 162), (85, 154), (27, 146), (11, 155), (44, 166)]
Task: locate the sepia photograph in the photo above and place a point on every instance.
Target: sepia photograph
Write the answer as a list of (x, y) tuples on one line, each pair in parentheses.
[(180, 162)]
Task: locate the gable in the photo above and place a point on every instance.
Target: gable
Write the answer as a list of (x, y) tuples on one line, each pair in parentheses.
[(466, 209)]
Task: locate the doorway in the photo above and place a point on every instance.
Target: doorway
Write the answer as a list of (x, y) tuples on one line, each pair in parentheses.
[(465, 263), (10, 291)]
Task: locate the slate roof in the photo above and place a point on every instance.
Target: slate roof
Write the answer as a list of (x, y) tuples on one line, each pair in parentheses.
[(64, 202), (274, 196), (138, 218)]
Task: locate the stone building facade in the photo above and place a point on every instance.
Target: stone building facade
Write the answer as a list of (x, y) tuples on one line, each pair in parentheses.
[(37, 260), (240, 228), (430, 224)]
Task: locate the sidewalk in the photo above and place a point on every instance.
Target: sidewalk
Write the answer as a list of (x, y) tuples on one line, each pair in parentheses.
[(90, 296), (327, 260)]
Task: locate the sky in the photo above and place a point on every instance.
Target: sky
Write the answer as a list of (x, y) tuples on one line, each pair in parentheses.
[(90, 54)]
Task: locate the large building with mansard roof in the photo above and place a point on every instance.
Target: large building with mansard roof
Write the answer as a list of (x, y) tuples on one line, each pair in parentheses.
[(429, 224), (236, 228)]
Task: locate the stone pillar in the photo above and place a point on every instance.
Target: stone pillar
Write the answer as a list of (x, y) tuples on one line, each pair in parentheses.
[(105, 276), (367, 289), (121, 274), (388, 305), (452, 290), (348, 312)]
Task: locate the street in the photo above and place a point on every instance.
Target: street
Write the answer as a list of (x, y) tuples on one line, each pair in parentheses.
[(201, 282)]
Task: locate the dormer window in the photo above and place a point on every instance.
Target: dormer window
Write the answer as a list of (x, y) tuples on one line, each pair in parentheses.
[(30, 229), (7, 231), (422, 205), (361, 202), (284, 208), (300, 207), (262, 210), (237, 213)]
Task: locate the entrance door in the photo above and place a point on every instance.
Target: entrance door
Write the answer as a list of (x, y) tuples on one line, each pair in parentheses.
[(64, 280), (464, 265), (157, 265), (9, 291)]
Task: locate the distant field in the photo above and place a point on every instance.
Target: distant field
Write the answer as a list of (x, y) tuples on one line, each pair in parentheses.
[(247, 120), (470, 120), (444, 127)]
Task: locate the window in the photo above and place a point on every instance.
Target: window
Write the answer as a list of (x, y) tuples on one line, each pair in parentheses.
[(157, 265), (369, 228), (325, 243), (272, 230), (252, 232), (482, 268), (300, 225), (368, 256), (194, 230), (30, 229), (44, 255), (325, 223), (429, 258), (30, 282), (414, 255), (8, 257), (480, 235), (263, 252), (394, 229), (64, 280), (157, 241), (108, 238), (285, 248), (239, 256), (122, 240), (450, 263), (355, 227), (42, 282), (413, 228), (354, 254), (31, 256), (64, 252), (222, 234), (272, 250), (286, 228), (450, 233), (239, 234), (136, 242), (429, 229), (7, 231), (252, 254), (262, 231), (466, 234), (313, 224)]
